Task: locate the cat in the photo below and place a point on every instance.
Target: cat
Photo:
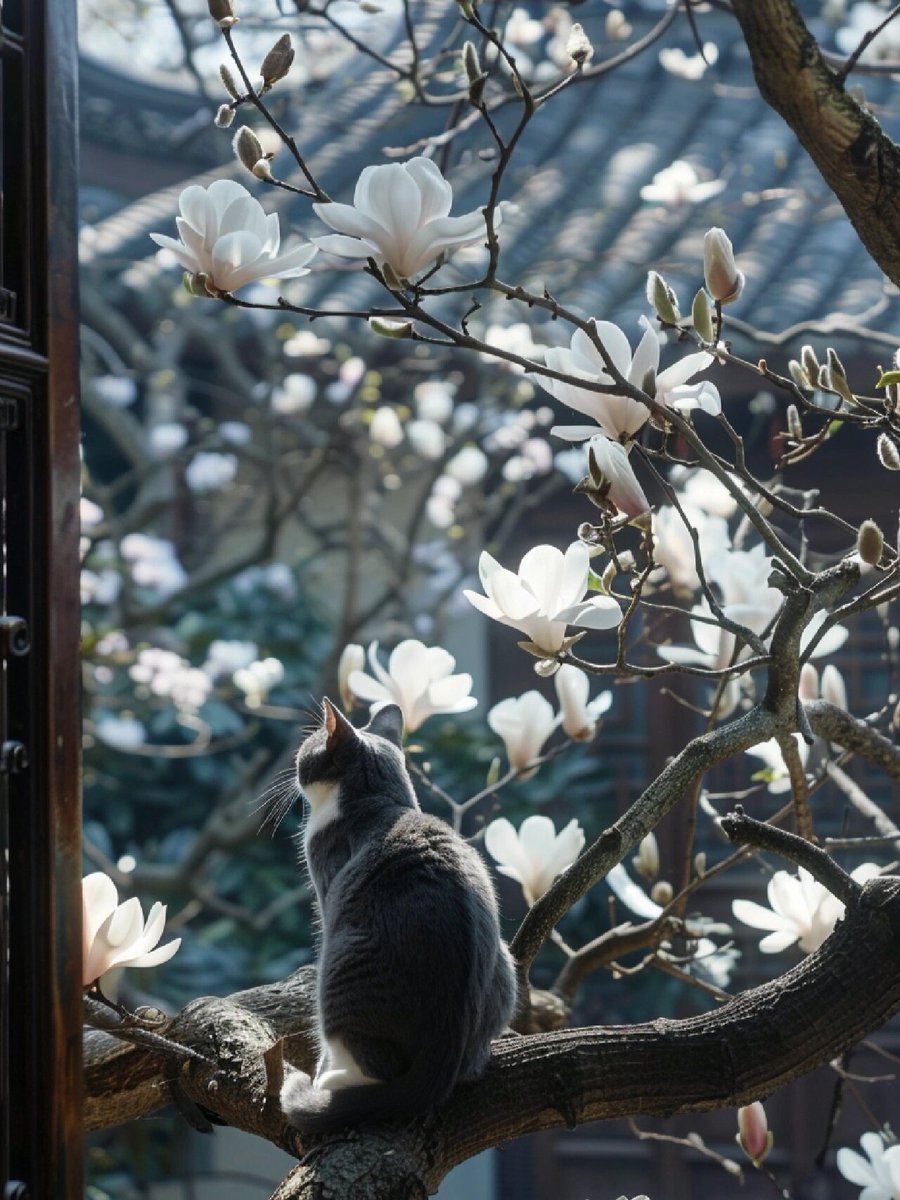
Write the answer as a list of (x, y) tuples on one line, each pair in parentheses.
[(414, 980)]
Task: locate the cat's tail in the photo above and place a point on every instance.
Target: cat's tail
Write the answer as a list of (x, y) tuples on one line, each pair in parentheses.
[(429, 1082)]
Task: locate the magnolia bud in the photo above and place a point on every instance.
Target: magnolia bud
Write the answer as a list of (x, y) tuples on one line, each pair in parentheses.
[(794, 424), (222, 11), (870, 543), (228, 80), (661, 892), (262, 169), (724, 281), (753, 1135), (353, 658), (578, 45), (701, 315), (384, 327), (798, 375), (888, 453), (471, 64), (810, 365), (663, 299), (196, 285), (224, 116), (839, 377), (247, 147), (700, 864), (646, 861), (278, 61)]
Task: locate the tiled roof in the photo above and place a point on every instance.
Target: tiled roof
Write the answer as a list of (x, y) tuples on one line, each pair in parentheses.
[(583, 228)]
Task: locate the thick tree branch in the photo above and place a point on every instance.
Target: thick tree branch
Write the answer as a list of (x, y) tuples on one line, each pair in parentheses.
[(855, 157)]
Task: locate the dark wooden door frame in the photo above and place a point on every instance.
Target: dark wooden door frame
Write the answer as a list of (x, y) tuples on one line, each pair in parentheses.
[(40, 869)]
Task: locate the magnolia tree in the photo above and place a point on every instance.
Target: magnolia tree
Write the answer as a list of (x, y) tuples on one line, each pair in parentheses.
[(679, 539)]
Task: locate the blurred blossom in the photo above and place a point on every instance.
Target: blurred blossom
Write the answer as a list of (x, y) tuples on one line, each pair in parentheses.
[(153, 563), (167, 438), (539, 454), (778, 778), (680, 184), (809, 682), (306, 343), (280, 579), (468, 466), (296, 395), (168, 675), (418, 678), (257, 679), (673, 546), (447, 487), (434, 400), (399, 216), (517, 469), (861, 19), (209, 471), (524, 723), (571, 463), (688, 66), (91, 514), (545, 596), (100, 587), (536, 854), (225, 657), (353, 658), (227, 238), (465, 417), (834, 690), (515, 338), (113, 643), (116, 935), (235, 432), (878, 1174), (701, 489), (440, 511), (124, 733), (118, 391), (522, 29), (426, 438), (802, 910), (385, 428), (579, 716)]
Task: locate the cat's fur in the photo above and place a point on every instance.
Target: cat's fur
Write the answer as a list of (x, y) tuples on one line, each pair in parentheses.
[(414, 980)]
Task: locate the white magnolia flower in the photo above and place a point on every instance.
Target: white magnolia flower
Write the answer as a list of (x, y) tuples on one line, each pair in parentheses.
[(579, 717), (680, 184), (353, 658), (673, 546), (524, 723), (385, 428), (296, 394), (124, 733), (724, 281), (468, 466), (611, 461), (399, 216), (167, 674), (778, 777), (434, 400), (154, 563), (167, 438), (116, 935), (802, 910), (209, 471), (878, 1174), (257, 679), (225, 656), (536, 854), (545, 596), (426, 438), (620, 417), (688, 66), (418, 678), (226, 236), (118, 391)]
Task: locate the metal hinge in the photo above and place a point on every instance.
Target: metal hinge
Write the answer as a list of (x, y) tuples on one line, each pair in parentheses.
[(14, 638)]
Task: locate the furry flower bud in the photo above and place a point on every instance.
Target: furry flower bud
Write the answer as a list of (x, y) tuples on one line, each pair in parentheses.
[(247, 147), (384, 327), (224, 116), (663, 299), (578, 45), (228, 82), (724, 281), (475, 75), (810, 365), (839, 377), (888, 452), (661, 892), (701, 315), (869, 543), (278, 61), (646, 861), (794, 424), (222, 12)]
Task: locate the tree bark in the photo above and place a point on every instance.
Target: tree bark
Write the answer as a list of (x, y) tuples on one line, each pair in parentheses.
[(857, 160), (740, 1052)]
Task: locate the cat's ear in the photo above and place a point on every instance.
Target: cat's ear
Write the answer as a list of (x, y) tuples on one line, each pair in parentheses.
[(388, 723), (337, 727)]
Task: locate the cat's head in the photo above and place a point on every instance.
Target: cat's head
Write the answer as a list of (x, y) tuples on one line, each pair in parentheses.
[(362, 761)]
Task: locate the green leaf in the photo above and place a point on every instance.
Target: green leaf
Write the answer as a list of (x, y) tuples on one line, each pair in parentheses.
[(888, 378)]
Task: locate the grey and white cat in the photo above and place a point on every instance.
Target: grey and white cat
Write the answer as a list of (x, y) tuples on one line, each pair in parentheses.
[(414, 979)]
